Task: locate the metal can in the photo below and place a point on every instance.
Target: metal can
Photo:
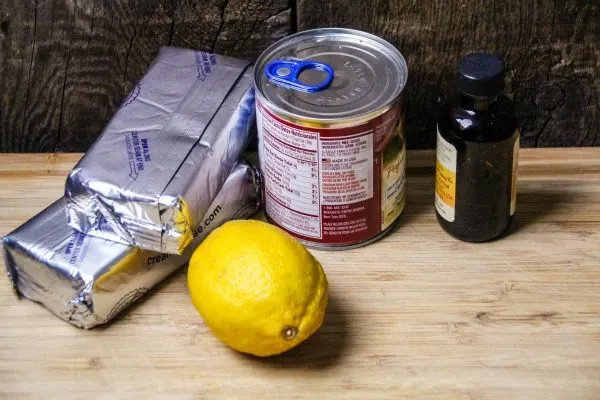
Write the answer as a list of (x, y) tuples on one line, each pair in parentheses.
[(330, 115)]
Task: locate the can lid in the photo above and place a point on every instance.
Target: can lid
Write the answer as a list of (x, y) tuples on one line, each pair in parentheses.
[(330, 74), (481, 75)]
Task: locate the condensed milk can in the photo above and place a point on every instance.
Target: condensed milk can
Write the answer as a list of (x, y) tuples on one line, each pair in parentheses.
[(330, 115)]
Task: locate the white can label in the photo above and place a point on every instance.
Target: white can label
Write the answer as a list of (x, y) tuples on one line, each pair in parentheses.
[(332, 185), (346, 169), (291, 168)]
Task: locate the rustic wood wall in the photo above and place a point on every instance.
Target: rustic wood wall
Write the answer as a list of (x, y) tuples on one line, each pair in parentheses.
[(65, 65), (552, 48)]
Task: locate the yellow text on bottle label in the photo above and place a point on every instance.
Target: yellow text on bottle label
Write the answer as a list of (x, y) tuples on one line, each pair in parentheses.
[(445, 178)]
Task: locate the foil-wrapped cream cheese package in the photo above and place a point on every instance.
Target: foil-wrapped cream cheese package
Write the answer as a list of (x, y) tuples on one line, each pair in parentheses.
[(166, 152), (87, 280)]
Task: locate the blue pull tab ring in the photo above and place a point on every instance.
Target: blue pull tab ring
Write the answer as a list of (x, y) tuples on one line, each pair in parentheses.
[(286, 73)]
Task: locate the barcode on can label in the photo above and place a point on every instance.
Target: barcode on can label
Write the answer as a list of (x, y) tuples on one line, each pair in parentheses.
[(327, 185)]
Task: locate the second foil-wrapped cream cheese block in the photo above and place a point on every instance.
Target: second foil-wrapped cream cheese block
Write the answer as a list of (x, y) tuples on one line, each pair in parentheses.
[(166, 153), (86, 280)]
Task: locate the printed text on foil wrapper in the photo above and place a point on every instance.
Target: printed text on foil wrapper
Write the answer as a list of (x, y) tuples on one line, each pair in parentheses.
[(138, 152)]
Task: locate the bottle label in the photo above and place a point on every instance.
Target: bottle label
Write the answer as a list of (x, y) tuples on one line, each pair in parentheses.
[(445, 178), (513, 193)]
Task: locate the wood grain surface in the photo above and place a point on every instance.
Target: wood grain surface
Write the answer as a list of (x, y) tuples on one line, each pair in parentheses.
[(551, 47), (417, 315), (66, 65)]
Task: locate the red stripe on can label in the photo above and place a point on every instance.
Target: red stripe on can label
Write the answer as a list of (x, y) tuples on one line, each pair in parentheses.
[(333, 186)]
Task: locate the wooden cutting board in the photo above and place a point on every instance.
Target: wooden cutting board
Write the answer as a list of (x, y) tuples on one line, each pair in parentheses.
[(417, 315)]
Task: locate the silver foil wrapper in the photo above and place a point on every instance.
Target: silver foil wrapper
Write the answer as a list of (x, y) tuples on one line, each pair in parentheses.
[(87, 280), (166, 152)]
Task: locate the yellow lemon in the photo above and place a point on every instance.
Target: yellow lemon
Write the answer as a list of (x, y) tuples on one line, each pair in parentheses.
[(258, 289)]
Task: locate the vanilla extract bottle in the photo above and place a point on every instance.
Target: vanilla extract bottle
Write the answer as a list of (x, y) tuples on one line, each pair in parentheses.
[(477, 154)]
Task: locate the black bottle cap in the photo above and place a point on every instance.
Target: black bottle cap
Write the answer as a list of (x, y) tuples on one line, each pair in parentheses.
[(481, 75)]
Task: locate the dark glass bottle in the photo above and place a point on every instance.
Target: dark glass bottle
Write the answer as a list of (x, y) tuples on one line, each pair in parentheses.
[(477, 152)]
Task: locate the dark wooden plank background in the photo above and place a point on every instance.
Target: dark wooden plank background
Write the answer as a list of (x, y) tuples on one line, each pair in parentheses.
[(551, 47), (65, 65)]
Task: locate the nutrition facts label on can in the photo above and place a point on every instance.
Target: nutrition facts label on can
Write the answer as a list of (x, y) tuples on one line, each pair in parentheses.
[(318, 185), (291, 168)]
